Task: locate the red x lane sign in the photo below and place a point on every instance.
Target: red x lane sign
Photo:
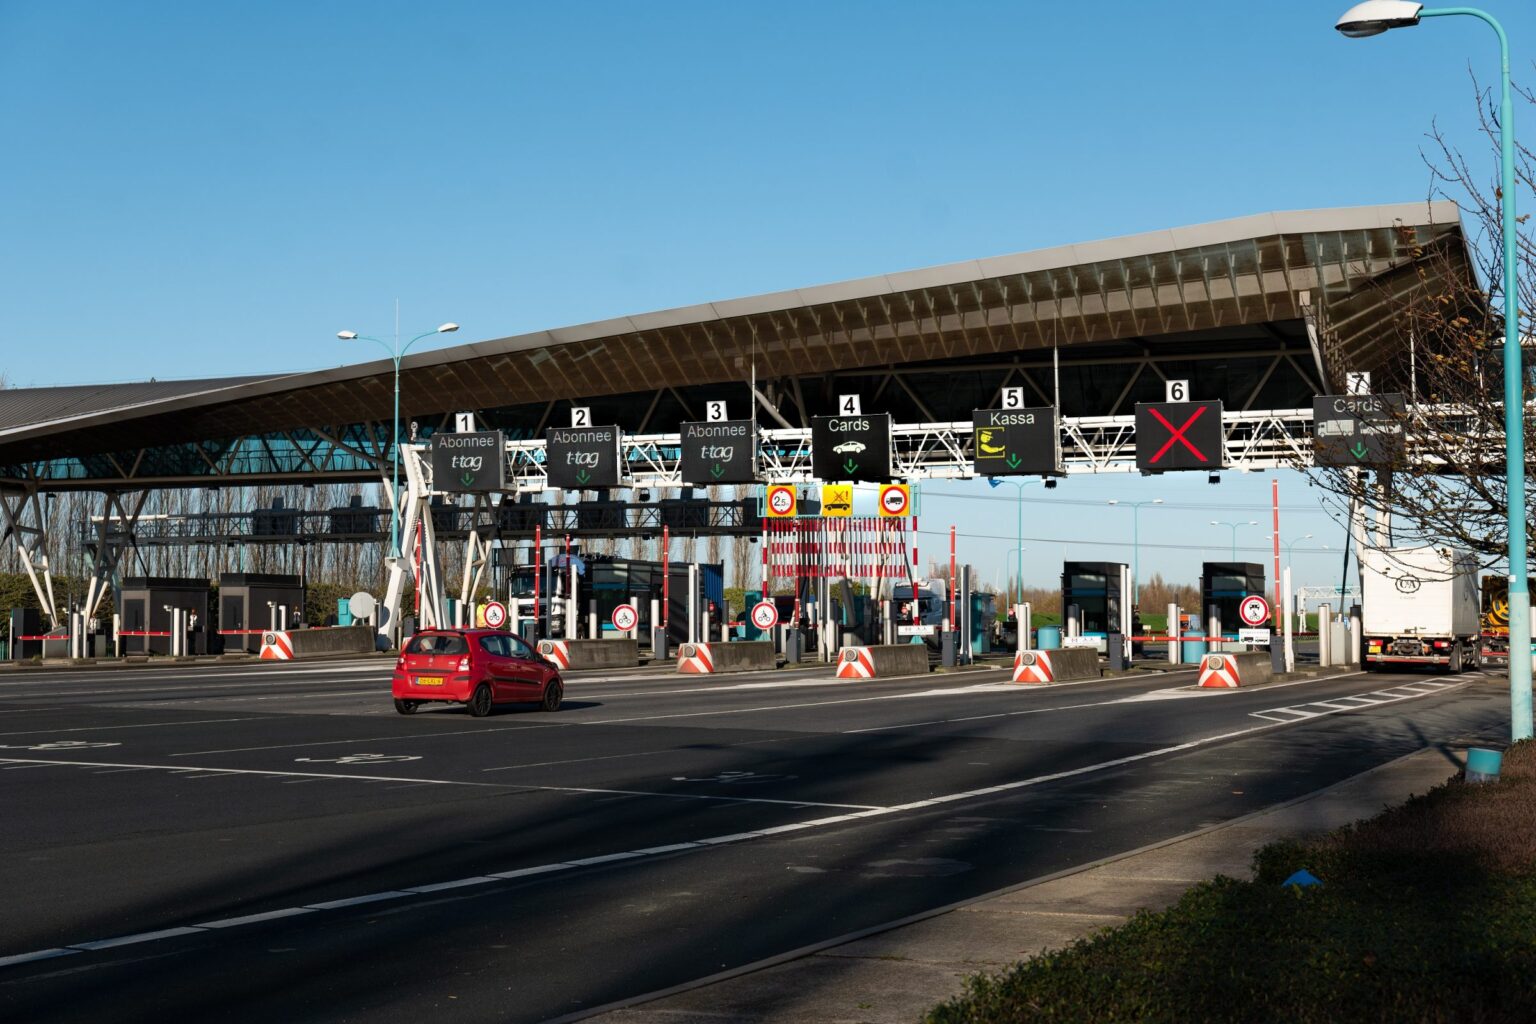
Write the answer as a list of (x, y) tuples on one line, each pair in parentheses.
[(1178, 435)]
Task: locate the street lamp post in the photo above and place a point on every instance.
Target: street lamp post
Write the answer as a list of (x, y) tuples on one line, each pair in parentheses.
[(1019, 534), (1217, 522), (396, 354), (1372, 18), (1135, 507)]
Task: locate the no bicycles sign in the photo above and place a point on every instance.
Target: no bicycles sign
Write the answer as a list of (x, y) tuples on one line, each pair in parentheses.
[(1254, 611)]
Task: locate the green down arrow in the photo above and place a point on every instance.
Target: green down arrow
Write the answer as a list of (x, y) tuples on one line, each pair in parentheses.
[(1359, 450), (717, 471), (582, 476), (850, 466), (466, 478), (1013, 461)]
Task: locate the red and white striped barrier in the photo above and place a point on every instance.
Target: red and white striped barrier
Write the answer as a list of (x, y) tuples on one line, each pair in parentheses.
[(1220, 671), (855, 663), (695, 658), (557, 651), (1033, 667), (276, 646)]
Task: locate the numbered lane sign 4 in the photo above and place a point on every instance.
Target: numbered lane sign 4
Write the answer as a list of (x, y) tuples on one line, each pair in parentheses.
[(848, 405)]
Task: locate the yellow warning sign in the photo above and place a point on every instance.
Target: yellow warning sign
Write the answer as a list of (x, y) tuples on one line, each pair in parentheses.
[(837, 500)]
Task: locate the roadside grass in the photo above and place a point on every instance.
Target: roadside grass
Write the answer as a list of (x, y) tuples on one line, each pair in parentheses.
[(1427, 913)]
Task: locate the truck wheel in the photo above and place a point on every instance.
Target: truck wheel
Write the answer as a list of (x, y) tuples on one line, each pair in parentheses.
[(1455, 666)]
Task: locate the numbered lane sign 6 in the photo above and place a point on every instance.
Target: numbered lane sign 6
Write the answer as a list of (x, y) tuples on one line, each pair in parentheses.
[(1178, 390)]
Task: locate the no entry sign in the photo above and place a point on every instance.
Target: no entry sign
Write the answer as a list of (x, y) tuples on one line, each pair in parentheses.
[(1254, 611), (625, 618), (1178, 435), (765, 615)]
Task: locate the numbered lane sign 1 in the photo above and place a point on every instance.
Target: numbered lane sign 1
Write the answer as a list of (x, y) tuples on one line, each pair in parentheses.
[(764, 615), (625, 618)]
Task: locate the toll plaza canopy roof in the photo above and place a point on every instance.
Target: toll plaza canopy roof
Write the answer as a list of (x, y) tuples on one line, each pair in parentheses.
[(1320, 284)]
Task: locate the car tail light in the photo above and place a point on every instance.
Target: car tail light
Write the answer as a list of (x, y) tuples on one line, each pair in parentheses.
[(464, 663), (400, 664), (1442, 644)]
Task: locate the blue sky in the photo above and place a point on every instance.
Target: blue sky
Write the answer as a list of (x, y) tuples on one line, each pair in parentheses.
[(217, 188)]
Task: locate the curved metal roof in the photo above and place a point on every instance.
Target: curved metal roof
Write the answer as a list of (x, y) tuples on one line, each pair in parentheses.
[(1250, 270)]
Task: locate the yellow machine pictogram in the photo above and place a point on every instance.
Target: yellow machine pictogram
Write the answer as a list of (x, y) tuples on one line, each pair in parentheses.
[(837, 500)]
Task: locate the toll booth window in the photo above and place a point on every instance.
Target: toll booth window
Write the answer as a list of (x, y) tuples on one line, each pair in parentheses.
[(1088, 583), (1229, 584), (437, 643)]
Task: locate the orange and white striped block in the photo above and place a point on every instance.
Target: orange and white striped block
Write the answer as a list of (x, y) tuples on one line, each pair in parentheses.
[(557, 651), (695, 658), (855, 663), (276, 646), (1033, 667), (1220, 671)]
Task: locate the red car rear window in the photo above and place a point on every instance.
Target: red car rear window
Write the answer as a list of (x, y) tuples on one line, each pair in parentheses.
[(437, 643)]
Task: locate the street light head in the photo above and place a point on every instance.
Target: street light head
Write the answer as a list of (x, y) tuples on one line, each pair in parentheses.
[(1113, 501), (1377, 16), (1157, 501), (347, 335), (1216, 522), (447, 328)]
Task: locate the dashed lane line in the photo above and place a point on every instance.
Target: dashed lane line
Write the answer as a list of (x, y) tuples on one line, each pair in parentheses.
[(203, 772)]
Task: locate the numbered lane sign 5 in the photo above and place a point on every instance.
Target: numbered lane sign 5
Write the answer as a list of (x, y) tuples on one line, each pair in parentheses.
[(1013, 398)]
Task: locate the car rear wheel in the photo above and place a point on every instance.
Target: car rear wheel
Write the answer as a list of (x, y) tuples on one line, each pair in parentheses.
[(480, 701), (553, 694), (406, 707)]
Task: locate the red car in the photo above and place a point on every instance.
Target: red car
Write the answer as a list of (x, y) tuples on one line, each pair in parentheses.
[(476, 667)]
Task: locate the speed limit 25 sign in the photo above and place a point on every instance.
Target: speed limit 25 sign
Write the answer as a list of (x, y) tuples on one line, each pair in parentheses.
[(780, 502)]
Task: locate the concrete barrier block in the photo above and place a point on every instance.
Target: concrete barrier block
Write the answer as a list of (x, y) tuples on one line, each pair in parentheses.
[(1232, 670), (741, 656), (1058, 666), (307, 643), (882, 661), (581, 654)]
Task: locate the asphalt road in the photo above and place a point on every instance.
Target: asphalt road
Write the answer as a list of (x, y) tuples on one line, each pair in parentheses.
[(312, 856)]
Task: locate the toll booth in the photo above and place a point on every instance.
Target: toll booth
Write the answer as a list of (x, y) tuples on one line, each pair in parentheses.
[(983, 620), (1225, 584), (610, 581), (247, 603), (1101, 592), (25, 623), (146, 616)]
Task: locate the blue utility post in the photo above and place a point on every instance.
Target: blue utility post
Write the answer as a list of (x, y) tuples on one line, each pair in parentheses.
[(395, 354), (1019, 536), (1373, 18), (1135, 507)]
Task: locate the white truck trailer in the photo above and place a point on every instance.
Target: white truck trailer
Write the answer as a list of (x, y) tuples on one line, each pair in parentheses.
[(1420, 607)]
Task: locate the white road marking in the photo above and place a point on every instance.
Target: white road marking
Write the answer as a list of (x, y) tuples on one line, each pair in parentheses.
[(141, 725), (627, 855), (295, 778), (1376, 698)]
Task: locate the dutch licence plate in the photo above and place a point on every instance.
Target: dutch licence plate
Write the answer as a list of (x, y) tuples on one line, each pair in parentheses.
[(429, 680)]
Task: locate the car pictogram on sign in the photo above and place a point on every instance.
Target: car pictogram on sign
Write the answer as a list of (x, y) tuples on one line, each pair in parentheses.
[(849, 448)]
